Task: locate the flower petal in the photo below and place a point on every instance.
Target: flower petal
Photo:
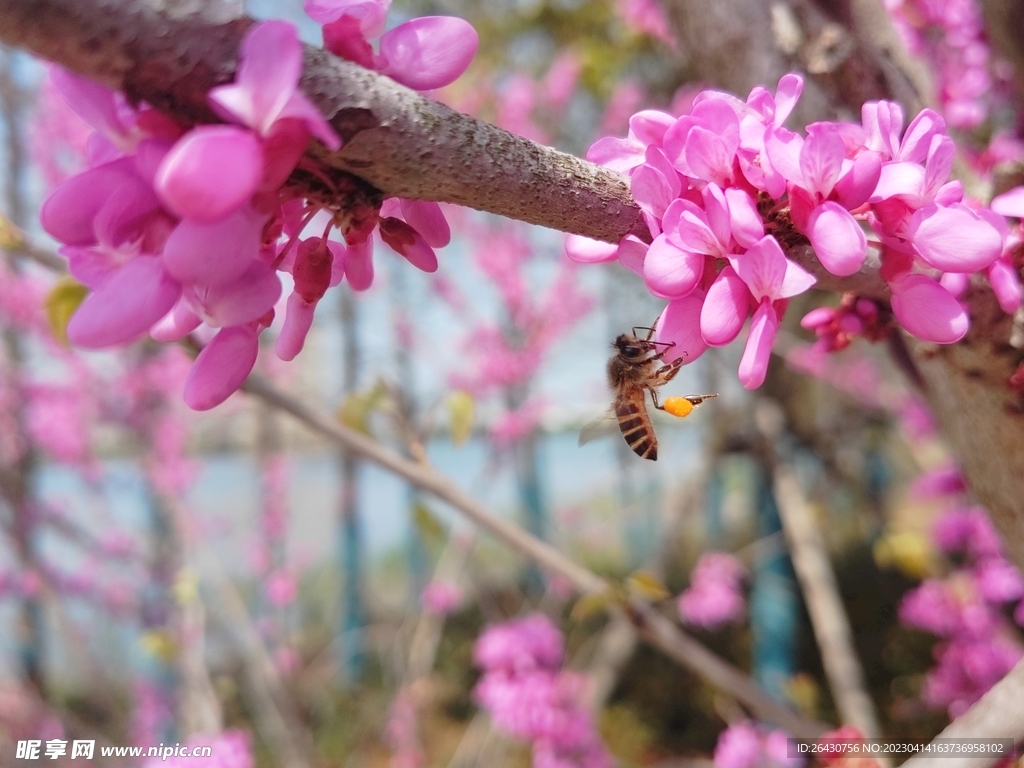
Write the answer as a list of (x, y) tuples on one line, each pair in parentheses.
[(632, 254), (176, 324), (620, 155), (426, 217), (1005, 280), (670, 271), (745, 223), (927, 310), (821, 160), (648, 126), (838, 240), (428, 52), (758, 350), (94, 103), (125, 306), (244, 300), (725, 308), (221, 367), (768, 273), (1010, 203), (651, 190), (298, 319), (214, 254), (585, 250), (954, 238), (211, 172), (69, 213), (359, 265), (267, 76), (679, 324)]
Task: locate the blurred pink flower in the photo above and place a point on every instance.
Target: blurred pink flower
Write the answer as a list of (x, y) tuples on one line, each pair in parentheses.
[(441, 598), (739, 746), (229, 749), (280, 588), (714, 596)]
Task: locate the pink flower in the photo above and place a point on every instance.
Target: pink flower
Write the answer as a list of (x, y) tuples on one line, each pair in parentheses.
[(266, 87), (968, 530), (714, 597), (930, 607), (125, 305), (533, 642), (999, 581), (441, 598), (280, 588), (770, 277), (424, 53), (943, 480), (739, 746), (927, 310), (211, 172), (221, 367), (230, 749)]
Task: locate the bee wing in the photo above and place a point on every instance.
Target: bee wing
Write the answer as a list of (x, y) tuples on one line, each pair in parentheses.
[(605, 425)]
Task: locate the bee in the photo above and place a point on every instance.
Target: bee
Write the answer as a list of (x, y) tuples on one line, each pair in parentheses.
[(636, 369)]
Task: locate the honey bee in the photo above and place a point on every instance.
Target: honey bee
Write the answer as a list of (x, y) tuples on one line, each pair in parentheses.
[(634, 370)]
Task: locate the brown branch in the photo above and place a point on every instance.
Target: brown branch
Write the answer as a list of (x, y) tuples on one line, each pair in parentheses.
[(999, 714), (653, 627), (169, 53), (829, 621)]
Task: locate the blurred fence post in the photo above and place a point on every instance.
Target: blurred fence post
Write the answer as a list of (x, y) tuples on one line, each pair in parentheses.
[(775, 598), (351, 642)]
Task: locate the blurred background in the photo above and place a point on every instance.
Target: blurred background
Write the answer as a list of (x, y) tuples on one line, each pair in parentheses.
[(232, 578)]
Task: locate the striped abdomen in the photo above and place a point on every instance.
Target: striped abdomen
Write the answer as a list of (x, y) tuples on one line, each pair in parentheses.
[(635, 423)]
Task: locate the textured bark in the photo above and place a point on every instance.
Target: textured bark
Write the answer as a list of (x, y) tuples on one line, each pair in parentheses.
[(171, 52)]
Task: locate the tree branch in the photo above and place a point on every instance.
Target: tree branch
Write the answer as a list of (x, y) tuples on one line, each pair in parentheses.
[(169, 53), (999, 714), (653, 627)]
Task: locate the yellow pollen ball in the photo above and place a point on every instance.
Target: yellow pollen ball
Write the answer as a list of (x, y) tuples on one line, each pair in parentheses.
[(678, 406)]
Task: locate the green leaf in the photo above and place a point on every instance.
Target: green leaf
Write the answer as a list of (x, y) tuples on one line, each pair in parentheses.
[(432, 529), (61, 303), (645, 584), (355, 411), (10, 236), (461, 415)]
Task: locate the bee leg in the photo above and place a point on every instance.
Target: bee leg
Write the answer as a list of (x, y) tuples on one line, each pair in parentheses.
[(668, 372), (665, 351)]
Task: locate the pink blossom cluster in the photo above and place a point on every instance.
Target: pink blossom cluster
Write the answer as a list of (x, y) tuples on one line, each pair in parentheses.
[(729, 194), (173, 227), (528, 695), (230, 749), (504, 355), (950, 36), (715, 594), (647, 17), (965, 608), (746, 745)]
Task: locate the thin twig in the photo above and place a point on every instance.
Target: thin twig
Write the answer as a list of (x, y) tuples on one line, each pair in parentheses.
[(654, 627), (999, 714), (821, 593)]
